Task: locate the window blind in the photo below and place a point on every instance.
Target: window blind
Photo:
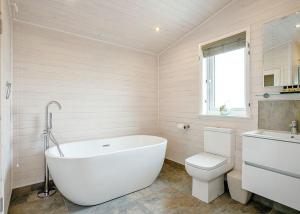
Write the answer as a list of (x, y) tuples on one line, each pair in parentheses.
[(231, 43)]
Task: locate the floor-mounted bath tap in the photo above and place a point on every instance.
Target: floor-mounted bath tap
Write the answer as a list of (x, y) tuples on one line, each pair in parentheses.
[(48, 136)]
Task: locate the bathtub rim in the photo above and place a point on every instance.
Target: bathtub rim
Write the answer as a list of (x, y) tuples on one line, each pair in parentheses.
[(51, 155)]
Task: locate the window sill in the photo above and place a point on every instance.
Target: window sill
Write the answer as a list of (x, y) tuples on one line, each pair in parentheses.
[(218, 115)]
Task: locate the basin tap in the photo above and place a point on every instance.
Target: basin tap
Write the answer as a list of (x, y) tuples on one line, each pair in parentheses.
[(293, 127)]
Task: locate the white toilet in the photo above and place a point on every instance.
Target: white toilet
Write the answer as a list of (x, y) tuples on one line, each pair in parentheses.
[(208, 168)]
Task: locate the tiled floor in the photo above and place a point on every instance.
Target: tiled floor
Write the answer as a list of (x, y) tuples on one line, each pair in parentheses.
[(170, 193)]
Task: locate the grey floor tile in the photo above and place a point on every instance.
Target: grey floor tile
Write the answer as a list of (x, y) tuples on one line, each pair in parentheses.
[(169, 194), (119, 205), (35, 205)]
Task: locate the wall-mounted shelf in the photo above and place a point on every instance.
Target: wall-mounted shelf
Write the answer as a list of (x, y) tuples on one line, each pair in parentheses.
[(277, 94), (267, 95)]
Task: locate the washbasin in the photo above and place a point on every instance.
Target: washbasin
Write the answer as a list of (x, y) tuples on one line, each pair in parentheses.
[(274, 135)]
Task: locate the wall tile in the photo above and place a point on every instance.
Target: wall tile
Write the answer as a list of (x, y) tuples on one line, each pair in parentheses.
[(278, 114)]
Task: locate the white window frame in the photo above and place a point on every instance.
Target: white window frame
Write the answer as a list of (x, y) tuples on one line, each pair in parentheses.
[(206, 109)]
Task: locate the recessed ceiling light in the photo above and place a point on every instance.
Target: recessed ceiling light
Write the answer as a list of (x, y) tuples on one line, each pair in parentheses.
[(298, 26), (157, 29)]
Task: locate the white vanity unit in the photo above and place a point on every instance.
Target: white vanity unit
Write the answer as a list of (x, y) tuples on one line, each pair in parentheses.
[(271, 166)]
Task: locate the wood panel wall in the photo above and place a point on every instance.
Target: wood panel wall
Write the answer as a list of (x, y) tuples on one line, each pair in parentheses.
[(105, 91), (180, 76), (6, 150), (110, 91)]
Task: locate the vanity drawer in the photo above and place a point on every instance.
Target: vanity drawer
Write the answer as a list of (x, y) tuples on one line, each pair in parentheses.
[(279, 155), (281, 188)]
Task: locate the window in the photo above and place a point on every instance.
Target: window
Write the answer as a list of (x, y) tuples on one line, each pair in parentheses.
[(224, 67)]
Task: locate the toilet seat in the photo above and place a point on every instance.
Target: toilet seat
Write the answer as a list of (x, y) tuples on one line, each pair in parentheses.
[(206, 161), (206, 166)]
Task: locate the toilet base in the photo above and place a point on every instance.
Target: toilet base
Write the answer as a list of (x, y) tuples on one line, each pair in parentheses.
[(207, 191)]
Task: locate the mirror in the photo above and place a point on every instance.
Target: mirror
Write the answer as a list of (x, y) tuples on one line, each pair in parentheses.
[(281, 51)]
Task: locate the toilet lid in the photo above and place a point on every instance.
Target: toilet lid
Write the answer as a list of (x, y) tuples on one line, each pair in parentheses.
[(206, 161)]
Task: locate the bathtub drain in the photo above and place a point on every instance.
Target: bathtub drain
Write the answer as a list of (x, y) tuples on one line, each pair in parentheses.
[(106, 145)]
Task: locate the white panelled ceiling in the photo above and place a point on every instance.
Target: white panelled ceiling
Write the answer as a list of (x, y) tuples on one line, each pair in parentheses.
[(128, 23)]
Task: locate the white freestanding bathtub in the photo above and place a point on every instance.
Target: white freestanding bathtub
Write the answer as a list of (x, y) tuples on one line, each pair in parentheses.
[(92, 172)]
